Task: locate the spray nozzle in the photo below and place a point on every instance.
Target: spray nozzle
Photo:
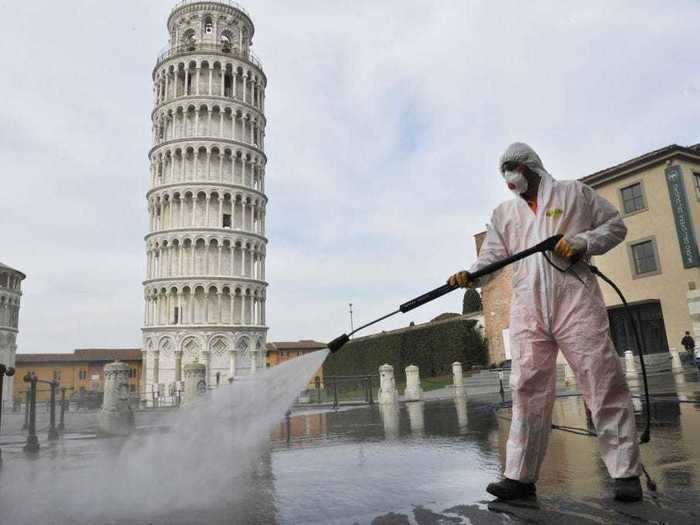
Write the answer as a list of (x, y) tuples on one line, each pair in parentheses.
[(337, 343)]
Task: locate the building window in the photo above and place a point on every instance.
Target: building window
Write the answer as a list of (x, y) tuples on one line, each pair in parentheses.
[(208, 25), (696, 179), (82, 374), (56, 375), (632, 198), (227, 220), (176, 315), (644, 257)]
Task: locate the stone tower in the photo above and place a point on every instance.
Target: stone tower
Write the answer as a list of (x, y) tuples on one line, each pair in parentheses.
[(10, 293), (205, 283)]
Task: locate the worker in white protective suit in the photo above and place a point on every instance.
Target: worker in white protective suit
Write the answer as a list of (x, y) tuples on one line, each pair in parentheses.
[(553, 310)]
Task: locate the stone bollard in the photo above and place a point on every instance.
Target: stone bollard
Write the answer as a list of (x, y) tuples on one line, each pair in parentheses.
[(461, 407), (676, 360), (413, 391), (677, 370), (569, 376), (630, 364), (195, 384), (390, 418), (457, 378), (637, 404), (415, 417), (116, 417), (387, 385)]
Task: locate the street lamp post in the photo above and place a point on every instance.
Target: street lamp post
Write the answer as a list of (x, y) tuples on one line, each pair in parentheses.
[(26, 410), (61, 425), (53, 433), (9, 372), (352, 328), (32, 445)]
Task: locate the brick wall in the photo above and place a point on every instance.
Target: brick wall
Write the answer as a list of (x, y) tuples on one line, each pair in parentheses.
[(495, 298)]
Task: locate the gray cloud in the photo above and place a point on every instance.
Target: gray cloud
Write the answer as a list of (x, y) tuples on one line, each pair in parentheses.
[(385, 123)]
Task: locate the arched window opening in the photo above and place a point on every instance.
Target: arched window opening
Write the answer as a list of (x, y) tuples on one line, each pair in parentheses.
[(228, 85), (226, 41), (188, 40), (208, 25)]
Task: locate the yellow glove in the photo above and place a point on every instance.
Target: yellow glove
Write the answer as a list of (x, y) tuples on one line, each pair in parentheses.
[(570, 248), (461, 279)]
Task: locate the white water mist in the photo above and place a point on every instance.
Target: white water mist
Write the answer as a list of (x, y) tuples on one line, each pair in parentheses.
[(200, 456)]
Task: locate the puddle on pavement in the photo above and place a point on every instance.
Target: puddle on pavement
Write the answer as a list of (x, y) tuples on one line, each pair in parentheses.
[(428, 462)]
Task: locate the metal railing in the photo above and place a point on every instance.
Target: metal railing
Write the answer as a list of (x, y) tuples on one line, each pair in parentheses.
[(338, 390), (207, 47), (229, 3)]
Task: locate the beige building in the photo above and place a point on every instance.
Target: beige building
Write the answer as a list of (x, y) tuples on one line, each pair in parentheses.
[(81, 370), (656, 266), (495, 300), (279, 352)]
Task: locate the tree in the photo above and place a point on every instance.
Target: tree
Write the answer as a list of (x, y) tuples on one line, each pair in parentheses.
[(471, 302)]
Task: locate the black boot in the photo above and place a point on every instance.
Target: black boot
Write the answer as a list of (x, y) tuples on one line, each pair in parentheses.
[(628, 489), (508, 489)]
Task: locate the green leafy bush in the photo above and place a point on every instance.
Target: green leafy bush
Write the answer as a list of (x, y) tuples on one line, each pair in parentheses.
[(471, 301), (432, 347)]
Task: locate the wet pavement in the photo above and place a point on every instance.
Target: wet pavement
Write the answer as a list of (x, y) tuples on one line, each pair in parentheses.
[(428, 463)]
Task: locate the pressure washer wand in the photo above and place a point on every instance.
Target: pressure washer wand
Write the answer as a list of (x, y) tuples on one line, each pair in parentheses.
[(546, 245)]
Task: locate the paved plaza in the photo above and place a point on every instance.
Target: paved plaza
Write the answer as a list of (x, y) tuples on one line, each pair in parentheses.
[(415, 463)]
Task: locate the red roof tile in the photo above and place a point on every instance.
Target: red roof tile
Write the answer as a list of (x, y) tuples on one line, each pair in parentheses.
[(82, 355)]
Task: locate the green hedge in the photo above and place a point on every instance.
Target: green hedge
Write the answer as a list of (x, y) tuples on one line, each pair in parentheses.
[(432, 347)]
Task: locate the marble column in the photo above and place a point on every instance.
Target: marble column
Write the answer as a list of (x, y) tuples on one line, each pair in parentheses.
[(232, 361), (178, 365), (154, 377)]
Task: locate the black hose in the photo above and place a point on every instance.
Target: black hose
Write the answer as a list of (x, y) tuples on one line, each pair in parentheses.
[(646, 435)]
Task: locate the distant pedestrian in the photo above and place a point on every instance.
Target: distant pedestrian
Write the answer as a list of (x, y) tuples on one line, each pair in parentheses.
[(689, 345)]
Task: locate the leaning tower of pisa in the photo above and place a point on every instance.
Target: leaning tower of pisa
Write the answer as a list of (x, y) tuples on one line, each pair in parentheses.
[(10, 295), (205, 283)]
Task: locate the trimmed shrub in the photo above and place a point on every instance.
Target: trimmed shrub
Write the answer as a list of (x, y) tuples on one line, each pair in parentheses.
[(471, 302), (432, 347)]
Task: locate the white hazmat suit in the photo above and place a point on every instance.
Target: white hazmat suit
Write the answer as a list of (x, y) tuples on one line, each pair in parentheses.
[(551, 310)]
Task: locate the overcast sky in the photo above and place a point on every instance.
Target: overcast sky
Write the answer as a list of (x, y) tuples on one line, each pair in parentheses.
[(385, 122)]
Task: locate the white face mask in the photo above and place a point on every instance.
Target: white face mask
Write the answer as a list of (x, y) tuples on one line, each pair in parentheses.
[(516, 181)]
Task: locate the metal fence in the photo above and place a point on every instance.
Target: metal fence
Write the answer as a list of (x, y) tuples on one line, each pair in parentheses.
[(229, 3), (342, 390)]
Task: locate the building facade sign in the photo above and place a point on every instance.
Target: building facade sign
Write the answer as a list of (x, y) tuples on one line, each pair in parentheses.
[(682, 217)]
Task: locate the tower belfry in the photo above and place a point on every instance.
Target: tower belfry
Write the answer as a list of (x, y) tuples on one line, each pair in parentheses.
[(205, 282)]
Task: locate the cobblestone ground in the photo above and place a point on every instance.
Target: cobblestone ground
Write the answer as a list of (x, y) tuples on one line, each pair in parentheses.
[(424, 463)]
